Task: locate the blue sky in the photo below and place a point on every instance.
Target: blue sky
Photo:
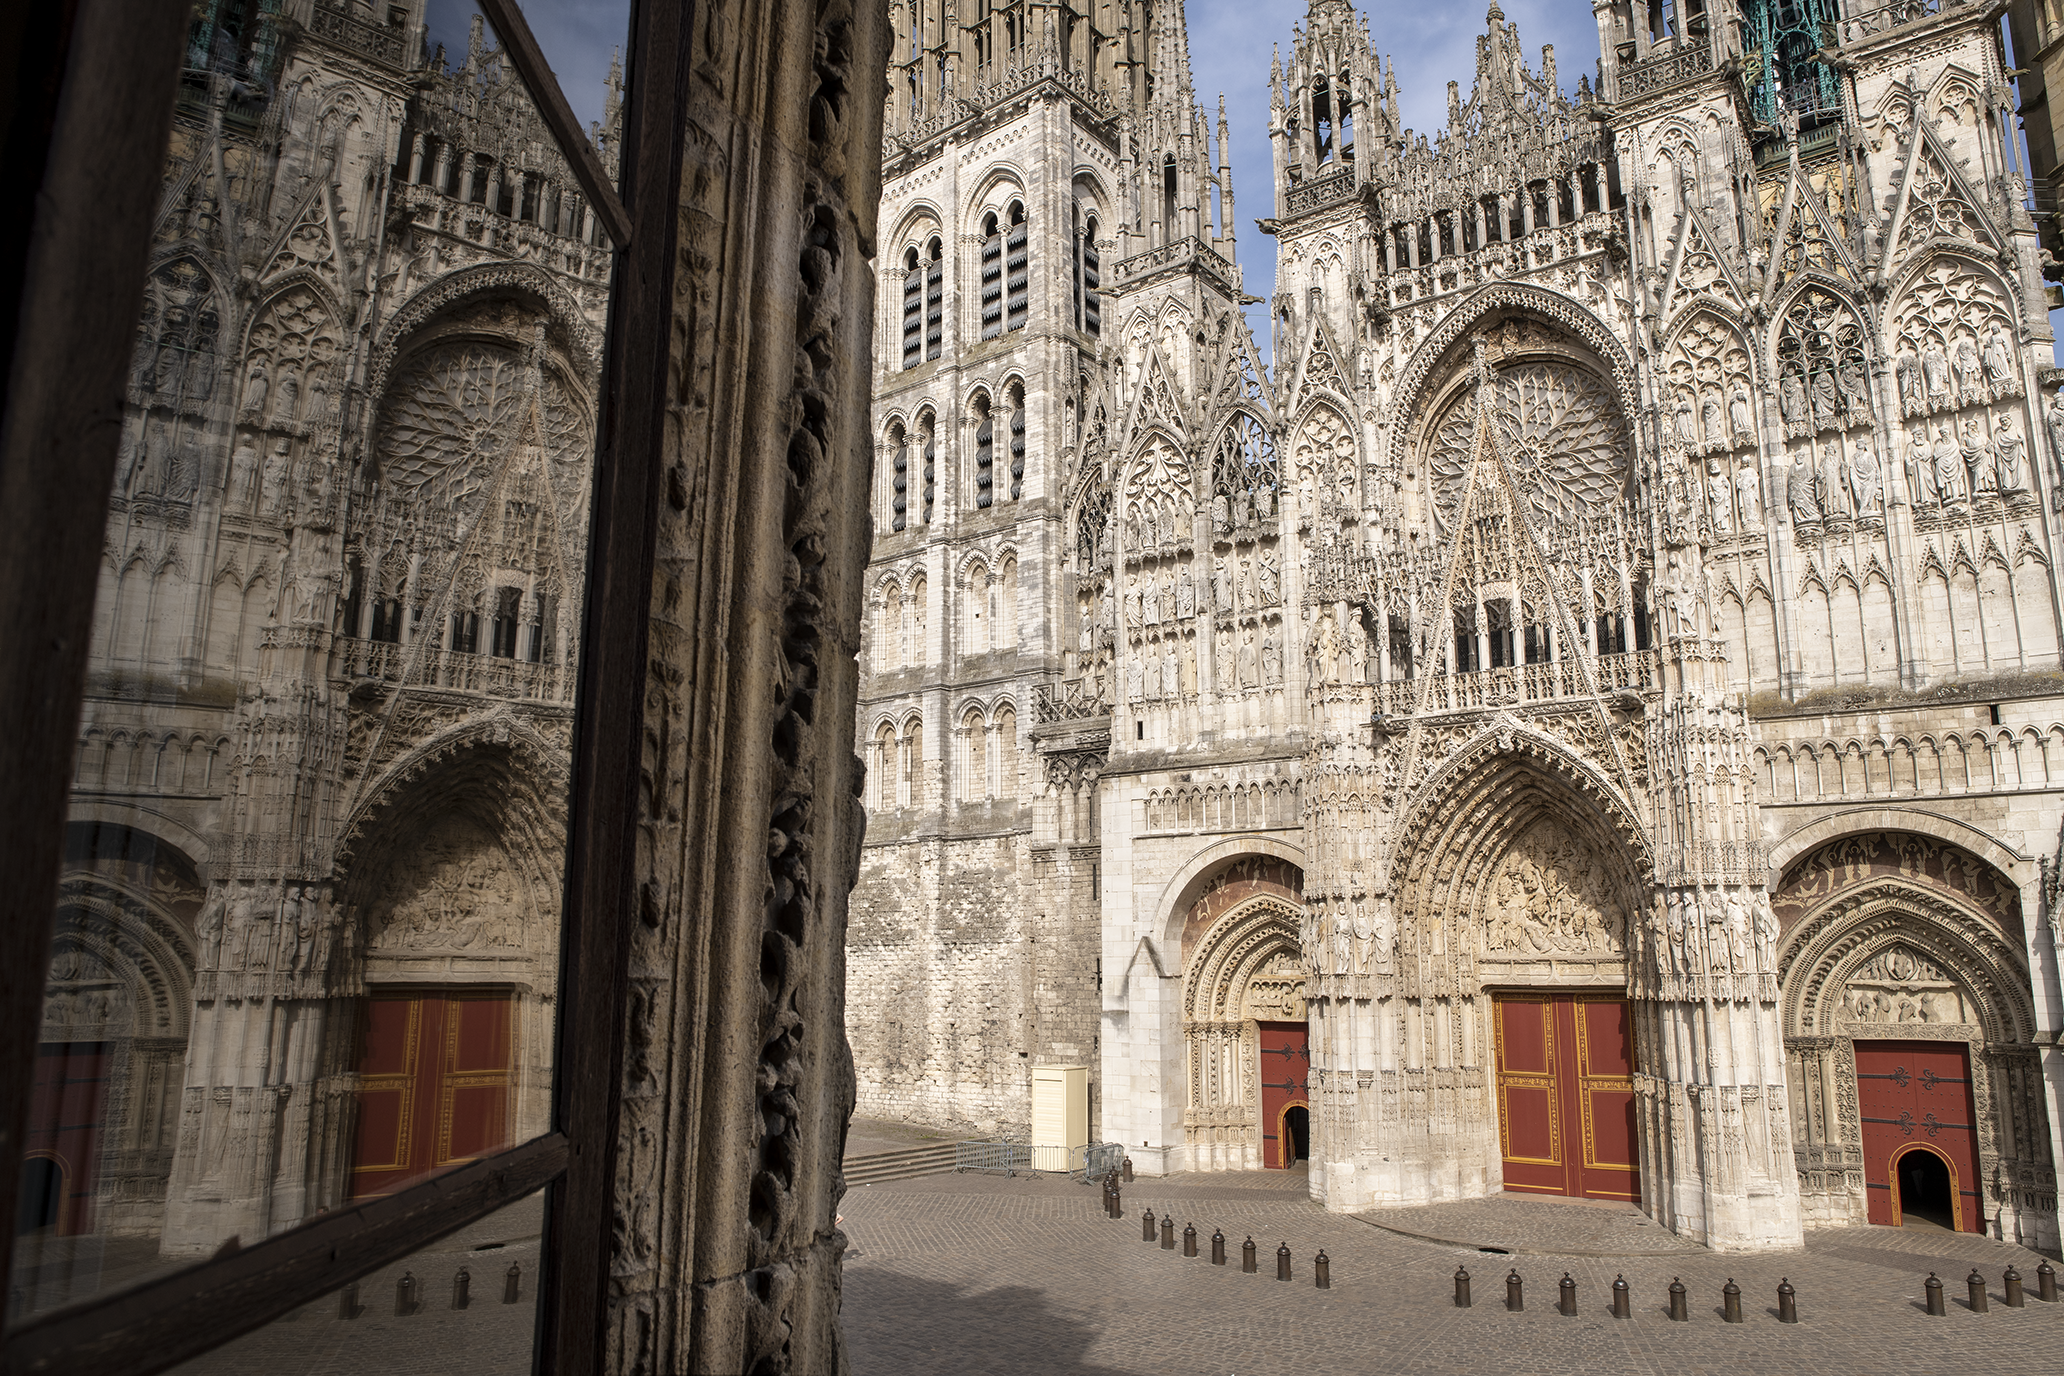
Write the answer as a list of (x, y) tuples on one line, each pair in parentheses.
[(1230, 43)]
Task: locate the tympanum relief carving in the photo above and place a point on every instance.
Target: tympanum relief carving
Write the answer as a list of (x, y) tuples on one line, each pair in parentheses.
[(1553, 895)]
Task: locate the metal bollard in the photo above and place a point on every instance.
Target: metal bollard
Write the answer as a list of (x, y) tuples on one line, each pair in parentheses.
[(462, 1289), (1787, 1301), (1146, 1227), (1189, 1239), (1114, 1201), (1462, 1300), (1322, 1271), (1168, 1232), (1127, 1169), (2012, 1280), (1247, 1255), (512, 1284), (1217, 1247), (1730, 1301), (1282, 1261), (1680, 1308), (405, 1293), (1566, 1303), (347, 1302), (1975, 1283), (1515, 1299), (1622, 1298), (1933, 1285), (2046, 1283)]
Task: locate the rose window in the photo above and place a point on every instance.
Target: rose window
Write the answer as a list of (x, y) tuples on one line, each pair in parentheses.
[(1565, 442)]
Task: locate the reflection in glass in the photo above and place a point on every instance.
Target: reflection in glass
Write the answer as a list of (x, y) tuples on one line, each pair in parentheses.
[(418, 1317), (306, 941)]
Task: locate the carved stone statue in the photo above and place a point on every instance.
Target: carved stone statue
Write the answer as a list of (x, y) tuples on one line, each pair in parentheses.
[(1720, 496), (1866, 481), (1906, 371), (1970, 372), (255, 389), (1935, 372), (1799, 490), (1740, 416), (1792, 399), (289, 400), (277, 463), (1999, 362), (243, 476), (1948, 467), (1979, 462), (1748, 497), (2007, 445), (1710, 421)]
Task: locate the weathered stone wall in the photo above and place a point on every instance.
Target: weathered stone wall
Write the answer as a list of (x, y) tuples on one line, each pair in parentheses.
[(966, 965)]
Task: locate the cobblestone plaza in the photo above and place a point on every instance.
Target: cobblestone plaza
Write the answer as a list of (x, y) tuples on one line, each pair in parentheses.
[(978, 1274)]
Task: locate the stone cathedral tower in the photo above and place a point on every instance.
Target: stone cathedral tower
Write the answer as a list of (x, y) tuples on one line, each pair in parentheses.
[(1586, 719)]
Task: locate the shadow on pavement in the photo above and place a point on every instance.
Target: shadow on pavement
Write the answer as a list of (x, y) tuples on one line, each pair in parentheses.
[(1002, 1331)]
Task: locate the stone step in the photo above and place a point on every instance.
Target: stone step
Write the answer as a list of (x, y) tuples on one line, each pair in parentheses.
[(877, 1167)]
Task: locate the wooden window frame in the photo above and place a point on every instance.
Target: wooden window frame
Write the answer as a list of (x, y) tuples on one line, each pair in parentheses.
[(81, 164)]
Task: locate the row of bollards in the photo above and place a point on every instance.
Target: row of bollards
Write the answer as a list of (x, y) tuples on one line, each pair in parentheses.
[(1980, 1302), (408, 1292), (1622, 1297), (1163, 1230)]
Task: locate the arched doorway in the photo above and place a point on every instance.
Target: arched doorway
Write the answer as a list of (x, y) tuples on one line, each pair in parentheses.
[(1925, 1184), (1243, 1015), (1296, 1134), (454, 887), (42, 1195), (1908, 1025)]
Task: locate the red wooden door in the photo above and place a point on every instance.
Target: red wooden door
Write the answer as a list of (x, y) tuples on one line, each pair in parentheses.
[(434, 1085), (1917, 1096), (67, 1099), (1566, 1095), (1285, 1064)]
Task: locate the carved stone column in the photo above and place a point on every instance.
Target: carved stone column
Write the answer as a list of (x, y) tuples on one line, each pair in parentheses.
[(735, 1081)]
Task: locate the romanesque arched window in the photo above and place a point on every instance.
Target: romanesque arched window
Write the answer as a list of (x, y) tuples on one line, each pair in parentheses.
[(887, 759), (914, 623), (913, 310), (977, 629), (897, 503), (1014, 402), (1006, 270), (1003, 603), (909, 779), (1089, 308), (985, 450), (928, 465), (1004, 754), (888, 626), (934, 298), (1017, 255), (974, 756), (992, 276)]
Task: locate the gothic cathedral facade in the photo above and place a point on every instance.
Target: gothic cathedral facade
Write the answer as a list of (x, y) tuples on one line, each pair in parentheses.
[(1581, 713), (306, 944)]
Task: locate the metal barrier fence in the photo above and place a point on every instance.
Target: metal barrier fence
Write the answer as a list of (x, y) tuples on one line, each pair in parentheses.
[(1085, 1163)]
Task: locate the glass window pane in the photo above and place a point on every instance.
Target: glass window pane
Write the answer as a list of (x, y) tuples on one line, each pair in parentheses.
[(306, 941), (417, 1316)]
